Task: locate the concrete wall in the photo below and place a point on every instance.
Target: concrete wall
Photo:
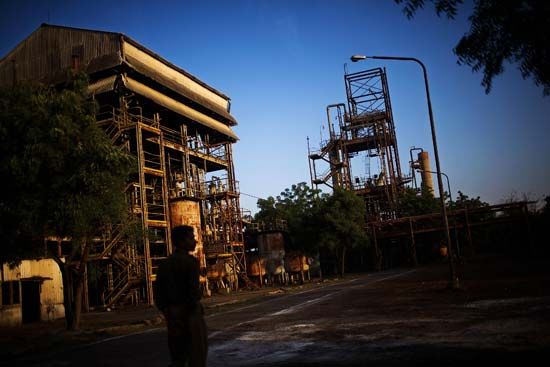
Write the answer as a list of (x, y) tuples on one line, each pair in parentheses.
[(10, 315), (51, 290)]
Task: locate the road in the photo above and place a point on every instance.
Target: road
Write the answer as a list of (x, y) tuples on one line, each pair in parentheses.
[(366, 320)]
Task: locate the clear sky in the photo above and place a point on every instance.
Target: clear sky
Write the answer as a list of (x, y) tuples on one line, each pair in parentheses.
[(282, 62)]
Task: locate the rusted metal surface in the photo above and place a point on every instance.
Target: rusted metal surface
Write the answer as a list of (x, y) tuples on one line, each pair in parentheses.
[(188, 212), (182, 109), (271, 247), (162, 73), (48, 53), (464, 220), (179, 130), (271, 244), (362, 131), (426, 174), (296, 262), (256, 266)]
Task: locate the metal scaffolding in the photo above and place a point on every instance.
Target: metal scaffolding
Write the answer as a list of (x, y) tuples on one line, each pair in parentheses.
[(173, 167), (361, 151)]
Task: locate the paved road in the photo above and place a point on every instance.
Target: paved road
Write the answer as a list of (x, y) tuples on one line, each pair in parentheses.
[(381, 319), (279, 330)]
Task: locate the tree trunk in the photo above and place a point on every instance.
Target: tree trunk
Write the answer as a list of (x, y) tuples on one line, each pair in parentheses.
[(78, 302), (343, 264), (80, 286), (66, 276)]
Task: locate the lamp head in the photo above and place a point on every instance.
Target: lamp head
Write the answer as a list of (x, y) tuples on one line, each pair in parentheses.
[(356, 58)]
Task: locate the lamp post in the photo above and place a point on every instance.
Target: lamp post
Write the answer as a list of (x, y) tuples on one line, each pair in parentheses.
[(454, 281), (450, 204)]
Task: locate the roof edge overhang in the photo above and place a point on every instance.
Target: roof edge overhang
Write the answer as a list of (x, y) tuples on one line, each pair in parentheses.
[(108, 84), (173, 66), (153, 66)]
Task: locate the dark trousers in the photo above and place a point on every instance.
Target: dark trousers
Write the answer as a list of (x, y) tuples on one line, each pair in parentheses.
[(187, 336)]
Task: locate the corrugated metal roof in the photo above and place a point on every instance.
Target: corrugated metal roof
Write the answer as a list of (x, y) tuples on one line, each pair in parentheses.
[(145, 49)]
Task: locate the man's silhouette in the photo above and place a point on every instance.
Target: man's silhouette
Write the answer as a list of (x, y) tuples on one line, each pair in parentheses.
[(177, 295)]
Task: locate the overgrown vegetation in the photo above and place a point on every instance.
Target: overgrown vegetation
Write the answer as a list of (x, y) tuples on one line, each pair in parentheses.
[(514, 31), (330, 226), (62, 177), (411, 203), (318, 222)]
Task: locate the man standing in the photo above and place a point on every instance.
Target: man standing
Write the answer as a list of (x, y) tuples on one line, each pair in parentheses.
[(177, 295)]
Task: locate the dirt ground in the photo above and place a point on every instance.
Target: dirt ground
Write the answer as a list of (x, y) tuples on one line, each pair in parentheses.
[(51, 337), (500, 314)]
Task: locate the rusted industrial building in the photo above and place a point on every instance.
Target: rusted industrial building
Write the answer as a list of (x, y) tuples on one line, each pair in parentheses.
[(361, 151), (361, 155), (180, 130)]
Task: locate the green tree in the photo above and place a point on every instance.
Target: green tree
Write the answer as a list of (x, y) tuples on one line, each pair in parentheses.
[(62, 177), (464, 201), (269, 212), (342, 224), (514, 31), (298, 206), (412, 203), (334, 222)]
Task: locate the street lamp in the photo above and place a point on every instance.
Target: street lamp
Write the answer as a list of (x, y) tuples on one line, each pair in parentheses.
[(450, 204), (454, 281)]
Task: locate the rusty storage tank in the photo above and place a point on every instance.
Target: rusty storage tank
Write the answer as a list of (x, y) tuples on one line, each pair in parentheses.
[(255, 266), (296, 262), (187, 212), (217, 270), (271, 246), (424, 161)]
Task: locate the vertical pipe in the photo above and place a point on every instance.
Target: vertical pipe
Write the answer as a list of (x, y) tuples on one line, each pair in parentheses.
[(166, 208), (144, 216), (412, 165), (309, 162), (427, 182)]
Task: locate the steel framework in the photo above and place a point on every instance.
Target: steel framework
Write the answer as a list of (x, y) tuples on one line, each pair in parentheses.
[(172, 166), (361, 152), (177, 127)]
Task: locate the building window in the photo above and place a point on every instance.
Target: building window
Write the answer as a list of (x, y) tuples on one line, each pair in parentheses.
[(10, 293)]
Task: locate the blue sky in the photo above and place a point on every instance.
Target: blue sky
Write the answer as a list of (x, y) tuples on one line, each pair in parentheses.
[(282, 62)]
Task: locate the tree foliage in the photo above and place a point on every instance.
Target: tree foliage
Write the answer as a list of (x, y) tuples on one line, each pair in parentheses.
[(343, 220), (298, 206), (334, 222), (412, 203), (464, 201), (501, 31), (342, 225), (62, 176)]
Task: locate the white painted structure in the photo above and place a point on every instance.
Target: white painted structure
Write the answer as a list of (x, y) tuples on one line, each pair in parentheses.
[(31, 291)]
